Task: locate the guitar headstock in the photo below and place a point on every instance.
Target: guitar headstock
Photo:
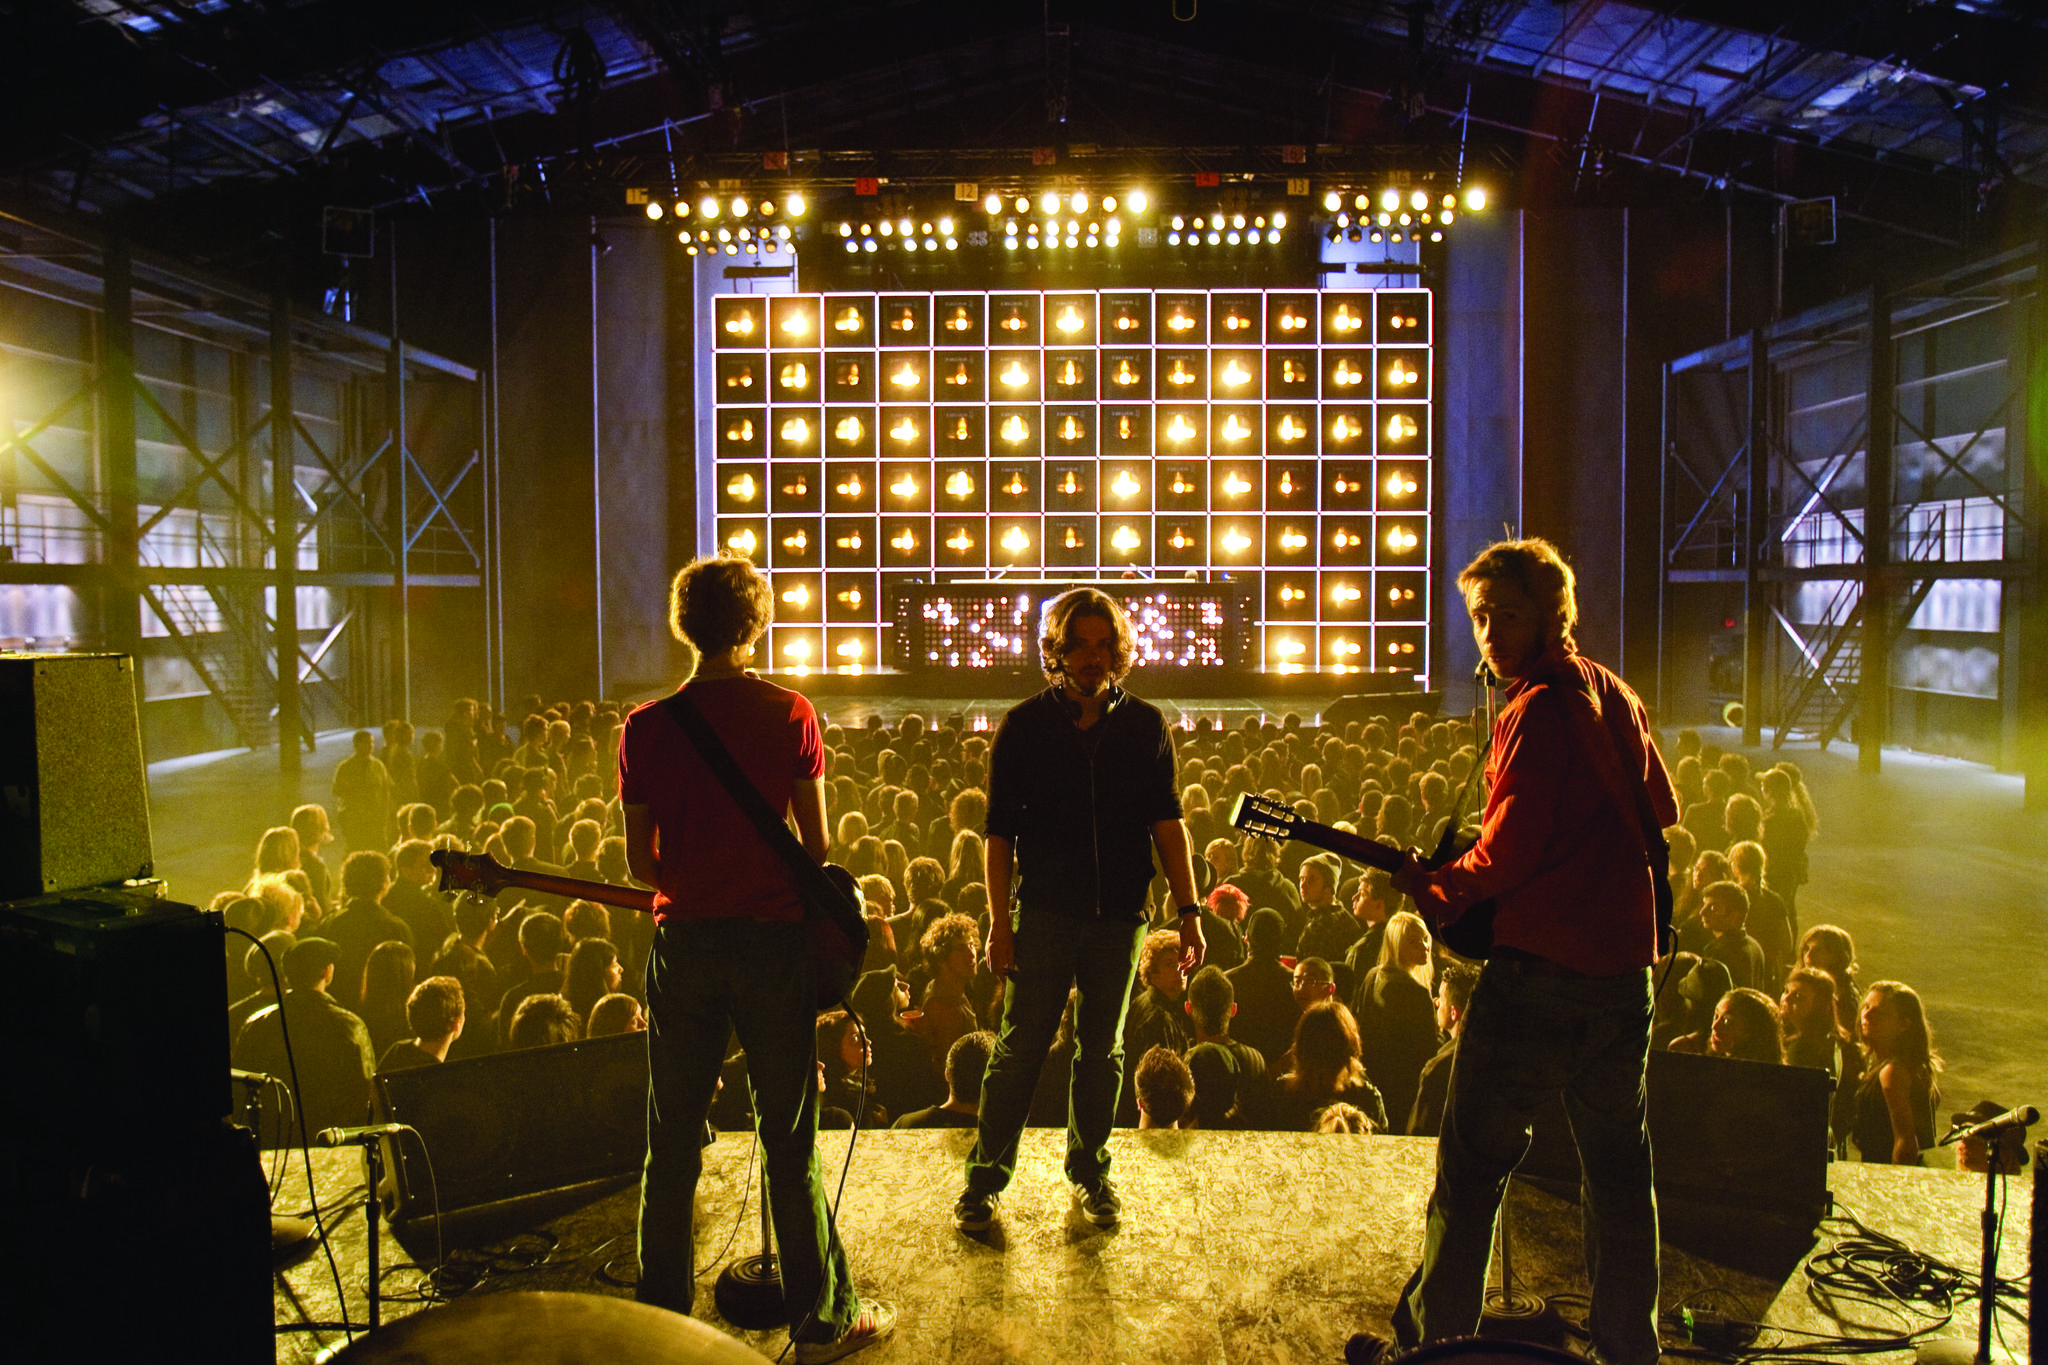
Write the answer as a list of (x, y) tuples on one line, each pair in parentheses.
[(1264, 817), (475, 872)]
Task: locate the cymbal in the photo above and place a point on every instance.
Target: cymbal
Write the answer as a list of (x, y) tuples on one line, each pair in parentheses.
[(561, 1329)]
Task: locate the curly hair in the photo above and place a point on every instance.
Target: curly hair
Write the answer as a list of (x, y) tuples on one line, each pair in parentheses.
[(719, 603), (943, 936), (1059, 636), (1537, 568)]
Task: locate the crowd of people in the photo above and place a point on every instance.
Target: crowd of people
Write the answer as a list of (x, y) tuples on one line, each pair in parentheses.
[(1323, 1004)]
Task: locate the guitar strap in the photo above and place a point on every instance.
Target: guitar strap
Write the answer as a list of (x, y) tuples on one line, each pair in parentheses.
[(1627, 791)]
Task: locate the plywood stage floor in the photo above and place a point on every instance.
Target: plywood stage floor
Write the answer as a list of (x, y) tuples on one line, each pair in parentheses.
[(1236, 1247)]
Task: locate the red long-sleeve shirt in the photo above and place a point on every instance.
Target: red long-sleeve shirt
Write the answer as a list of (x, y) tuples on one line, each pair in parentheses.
[(1562, 858)]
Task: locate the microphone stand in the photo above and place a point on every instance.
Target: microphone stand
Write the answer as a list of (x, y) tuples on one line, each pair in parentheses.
[(373, 1158)]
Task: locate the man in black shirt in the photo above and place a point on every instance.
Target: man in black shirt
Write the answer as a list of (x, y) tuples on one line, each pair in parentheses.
[(1080, 795)]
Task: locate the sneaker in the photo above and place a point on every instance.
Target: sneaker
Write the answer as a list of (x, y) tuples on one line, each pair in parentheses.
[(875, 1320), (974, 1211), (1096, 1201)]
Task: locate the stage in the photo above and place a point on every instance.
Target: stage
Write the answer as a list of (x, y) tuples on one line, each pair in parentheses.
[(1236, 1247)]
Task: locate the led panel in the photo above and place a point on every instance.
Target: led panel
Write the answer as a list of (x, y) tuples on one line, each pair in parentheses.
[(870, 450)]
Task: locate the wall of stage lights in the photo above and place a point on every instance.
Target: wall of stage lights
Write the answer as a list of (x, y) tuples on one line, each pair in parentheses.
[(1276, 438)]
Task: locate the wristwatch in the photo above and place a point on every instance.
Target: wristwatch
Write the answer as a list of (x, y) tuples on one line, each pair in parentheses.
[(1191, 909)]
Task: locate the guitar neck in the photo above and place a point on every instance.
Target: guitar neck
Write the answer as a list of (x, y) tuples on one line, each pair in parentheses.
[(575, 888), (1345, 844)]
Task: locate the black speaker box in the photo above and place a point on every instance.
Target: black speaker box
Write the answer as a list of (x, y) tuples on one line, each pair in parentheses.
[(1382, 706), (74, 806), (516, 1123), (1746, 1135), (112, 1005)]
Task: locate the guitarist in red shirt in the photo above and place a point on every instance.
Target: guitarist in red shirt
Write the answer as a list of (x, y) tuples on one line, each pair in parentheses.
[(1563, 1003)]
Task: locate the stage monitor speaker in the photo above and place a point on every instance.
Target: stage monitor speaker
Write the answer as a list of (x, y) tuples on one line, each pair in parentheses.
[(74, 805), (112, 1001), (1745, 1137), (516, 1123), (1396, 707)]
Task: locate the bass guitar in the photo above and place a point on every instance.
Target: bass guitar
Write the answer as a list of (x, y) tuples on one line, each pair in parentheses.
[(839, 950), (1470, 935)]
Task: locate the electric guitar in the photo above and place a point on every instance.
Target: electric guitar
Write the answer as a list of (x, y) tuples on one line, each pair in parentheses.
[(486, 876), (1469, 935)]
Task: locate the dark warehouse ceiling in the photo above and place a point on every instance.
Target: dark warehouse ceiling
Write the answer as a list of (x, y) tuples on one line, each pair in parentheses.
[(1923, 118)]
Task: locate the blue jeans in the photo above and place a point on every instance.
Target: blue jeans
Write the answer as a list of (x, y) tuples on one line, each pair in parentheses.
[(1527, 1037), (1056, 954), (707, 979)]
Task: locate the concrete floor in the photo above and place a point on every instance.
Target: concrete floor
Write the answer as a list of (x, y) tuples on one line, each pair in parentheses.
[(1931, 865)]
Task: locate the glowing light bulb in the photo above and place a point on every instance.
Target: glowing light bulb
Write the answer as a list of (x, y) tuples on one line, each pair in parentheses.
[(905, 429), (1344, 649), (743, 378), (961, 321), (849, 541), (1179, 322), (849, 374), (1123, 426), (1345, 428), (798, 596), (1400, 427), (1181, 485), (959, 484), (1401, 538), (1344, 484), (960, 375), (960, 541), (1344, 320), (1234, 484), (1125, 539), (1292, 373), (960, 430), (848, 430), (797, 487), (904, 321), (1070, 484), (1180, 539), (848, 320), (1015, 429), (740, 324), (1235, 373), (1016, 541), (905, 487), (1236, 541), (795, 376), (905, 377), (851, 597), (1286, 483), (1015, 376), (1070, 373), (1070, 320), (1013, 323), (742, 541), (1178, 429), (1016, 487), (1291, 539), (1289, 594), (741, 488), (796, 431), (1124, 486), (1127, 323), (742, 430), (797, 324), (1291, 321), (1400, 373), (1290, 648), (1179, 375), (1125, 375), (1071, 429), (1399, 484), (1346, 375), (851, 649), (1345, 540), (1234, 428), (798, 649), (1399, 595), (1236, 322), (1072, 539)]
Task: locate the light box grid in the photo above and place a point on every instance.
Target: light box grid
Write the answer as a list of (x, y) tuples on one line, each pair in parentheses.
[(1276, 437)]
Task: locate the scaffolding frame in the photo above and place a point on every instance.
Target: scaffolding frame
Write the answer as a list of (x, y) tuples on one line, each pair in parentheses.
[(316, 410), (1789, 489)]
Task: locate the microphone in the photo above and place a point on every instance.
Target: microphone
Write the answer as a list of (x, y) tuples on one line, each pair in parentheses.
[(249, 1077), (1484, 675), (349, 1137), (2026, 1116)]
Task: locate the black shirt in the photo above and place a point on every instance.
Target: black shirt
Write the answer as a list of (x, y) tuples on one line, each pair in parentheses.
[(1079, 805)]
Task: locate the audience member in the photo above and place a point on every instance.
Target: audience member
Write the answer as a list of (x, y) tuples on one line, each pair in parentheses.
[(966, 1064), (1164, 1088), (1155, 1016), (434, 1012), (388, 976), (363, 922), (542, 1021), (330, 1054), (1322, 1068), (1746, 1027), (1264, 989), (1396, 1013), (362, 796), (615, 1014), (1896, 1098), (1724, 911), (1433, 1087)]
